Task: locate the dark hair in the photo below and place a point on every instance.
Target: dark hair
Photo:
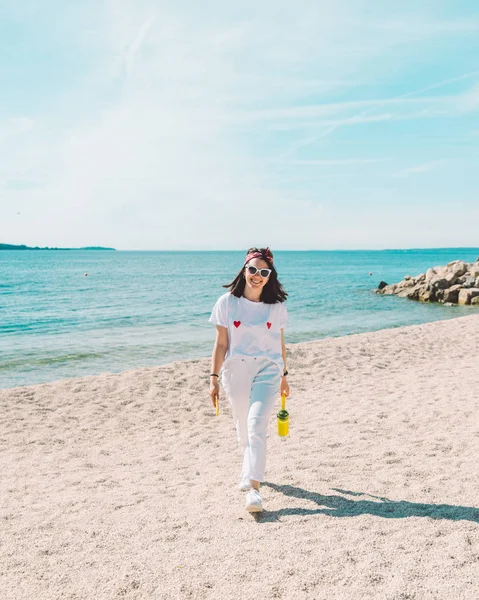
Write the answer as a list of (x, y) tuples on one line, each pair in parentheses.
[(272, 292)]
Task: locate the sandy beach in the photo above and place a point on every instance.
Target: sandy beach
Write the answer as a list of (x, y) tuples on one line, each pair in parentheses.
[(125, 486)]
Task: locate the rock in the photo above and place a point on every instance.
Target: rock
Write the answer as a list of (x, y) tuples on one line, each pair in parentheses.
[(451, 278), (389, 290), (426, 296), (455, 270), (451, 294), (415, 291), (475, 301), (405, 283), (440, 283), (474, 270), (458, 282), (411, 292), (460, 268), (466, 295), (384, 288), (467, 281)]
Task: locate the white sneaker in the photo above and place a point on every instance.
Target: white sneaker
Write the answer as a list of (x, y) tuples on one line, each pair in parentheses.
[(245, 484), (254, 502)]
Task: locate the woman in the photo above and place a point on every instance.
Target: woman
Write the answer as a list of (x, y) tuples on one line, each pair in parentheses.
[(249, 345)]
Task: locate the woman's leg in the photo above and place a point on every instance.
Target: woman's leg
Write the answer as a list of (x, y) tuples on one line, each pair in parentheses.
[(264, 393), (237, 380)]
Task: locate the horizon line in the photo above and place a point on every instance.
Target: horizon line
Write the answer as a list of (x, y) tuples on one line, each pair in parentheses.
[(100, 248)]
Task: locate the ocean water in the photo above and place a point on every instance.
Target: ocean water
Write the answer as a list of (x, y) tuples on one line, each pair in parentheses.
[(139, 309)]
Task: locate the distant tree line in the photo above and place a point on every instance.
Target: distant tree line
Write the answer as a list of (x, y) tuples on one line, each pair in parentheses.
[(23, 247)]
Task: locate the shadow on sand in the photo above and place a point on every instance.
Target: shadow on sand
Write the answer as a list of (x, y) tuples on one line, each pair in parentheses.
[(340, 506)]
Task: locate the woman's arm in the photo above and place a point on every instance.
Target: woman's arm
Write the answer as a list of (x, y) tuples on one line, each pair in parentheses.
[(284, 382), (219, 350), (217, 359)]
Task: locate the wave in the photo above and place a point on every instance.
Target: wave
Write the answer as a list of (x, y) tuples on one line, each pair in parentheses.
[(47, 360)]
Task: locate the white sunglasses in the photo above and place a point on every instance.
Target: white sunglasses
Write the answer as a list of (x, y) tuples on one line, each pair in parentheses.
[(263, 272)]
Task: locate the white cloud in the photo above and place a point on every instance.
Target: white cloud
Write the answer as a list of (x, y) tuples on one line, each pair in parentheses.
[(469, 101), (419, 28), (433, 107), (136, 44), (179, 133), (422, 168), (14, 127), (338, 162)]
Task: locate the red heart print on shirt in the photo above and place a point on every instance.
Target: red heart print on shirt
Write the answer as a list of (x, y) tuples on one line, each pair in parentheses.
[(268, 324), (236, 324)]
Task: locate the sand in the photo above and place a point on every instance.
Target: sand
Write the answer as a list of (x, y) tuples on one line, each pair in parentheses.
[(125, 486)]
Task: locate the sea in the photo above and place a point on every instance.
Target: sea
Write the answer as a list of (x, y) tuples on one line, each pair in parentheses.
[(73, 313)]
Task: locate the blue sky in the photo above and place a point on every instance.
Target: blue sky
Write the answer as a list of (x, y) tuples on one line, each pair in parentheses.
[(216, 125)]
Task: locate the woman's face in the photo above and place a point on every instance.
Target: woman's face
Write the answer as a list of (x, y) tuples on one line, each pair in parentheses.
[(256, 282)]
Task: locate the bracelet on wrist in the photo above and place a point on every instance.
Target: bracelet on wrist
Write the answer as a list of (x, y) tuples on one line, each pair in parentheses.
[(214, 375)]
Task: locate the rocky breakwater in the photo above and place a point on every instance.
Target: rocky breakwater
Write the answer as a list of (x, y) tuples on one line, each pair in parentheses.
[(456, 283)]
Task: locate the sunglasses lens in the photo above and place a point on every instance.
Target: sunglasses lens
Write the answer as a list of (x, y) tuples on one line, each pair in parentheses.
[(252, 270), (264, 273)]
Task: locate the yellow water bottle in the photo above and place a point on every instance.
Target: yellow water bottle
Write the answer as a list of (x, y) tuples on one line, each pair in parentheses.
[(283, 419)]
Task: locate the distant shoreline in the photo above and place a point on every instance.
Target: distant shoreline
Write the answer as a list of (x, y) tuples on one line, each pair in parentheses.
[(23, 247)]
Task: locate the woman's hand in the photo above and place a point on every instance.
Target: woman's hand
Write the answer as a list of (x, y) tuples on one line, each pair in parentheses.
[(214, 389), (284, 387)]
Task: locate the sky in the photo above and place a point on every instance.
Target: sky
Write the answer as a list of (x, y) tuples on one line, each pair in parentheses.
[(185, 125)]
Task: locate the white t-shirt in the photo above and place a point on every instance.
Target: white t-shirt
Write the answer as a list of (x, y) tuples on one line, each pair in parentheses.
[(254, 328)]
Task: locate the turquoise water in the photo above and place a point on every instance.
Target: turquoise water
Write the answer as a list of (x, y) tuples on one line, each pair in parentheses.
[(149, 308)]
